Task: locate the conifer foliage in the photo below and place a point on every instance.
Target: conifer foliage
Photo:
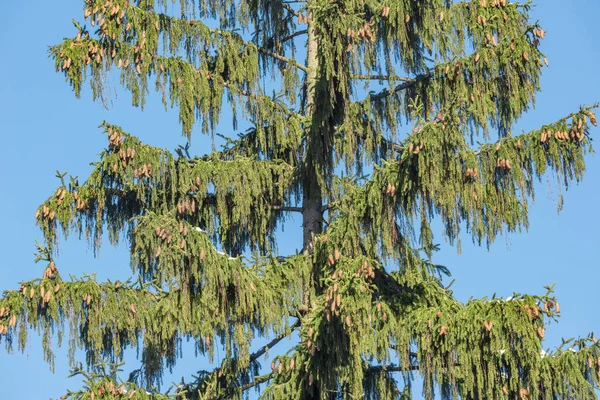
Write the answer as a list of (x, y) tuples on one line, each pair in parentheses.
[(388, 114)]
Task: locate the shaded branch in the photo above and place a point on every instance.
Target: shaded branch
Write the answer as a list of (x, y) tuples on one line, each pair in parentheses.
[(392, 368), (257, 381), (282, 58), (293, 35), (381, 78), (245, 92), (288, 209), (291, 10), (407, 84), (328, 206), (255, 356)]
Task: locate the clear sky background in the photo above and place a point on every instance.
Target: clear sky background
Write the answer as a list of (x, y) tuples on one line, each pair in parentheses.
[(44, 128)]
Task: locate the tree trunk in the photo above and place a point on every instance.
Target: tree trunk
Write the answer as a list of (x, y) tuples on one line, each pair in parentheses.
[(312, 199), (312, 195)]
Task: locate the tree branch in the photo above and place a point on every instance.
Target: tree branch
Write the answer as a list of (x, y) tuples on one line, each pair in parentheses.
[(392, 368), (386, 92), (288, 209), (381, 78), (328, 206), (401, 147), (244, 92), (291, 10), (397, 368), (407, 84), (293, 35), (282, 58), (257, 381), (255, 356)]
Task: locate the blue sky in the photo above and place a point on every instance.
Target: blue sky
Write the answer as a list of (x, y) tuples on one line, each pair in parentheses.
[(45, 128)]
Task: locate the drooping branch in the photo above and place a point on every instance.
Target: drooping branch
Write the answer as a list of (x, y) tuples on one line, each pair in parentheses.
[(198, 91), (463, 184), (136, 179), (115, 314), (494, 84), (171, 27)]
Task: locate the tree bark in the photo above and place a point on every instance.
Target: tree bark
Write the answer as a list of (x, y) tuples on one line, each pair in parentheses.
[(312, 199), (312, 193)]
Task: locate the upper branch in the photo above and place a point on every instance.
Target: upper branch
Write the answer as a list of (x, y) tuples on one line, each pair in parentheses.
[(177, 34), (197, 90), (492, 86)]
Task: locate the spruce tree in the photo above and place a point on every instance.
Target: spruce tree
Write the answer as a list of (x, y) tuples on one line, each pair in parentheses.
[(387, 115)]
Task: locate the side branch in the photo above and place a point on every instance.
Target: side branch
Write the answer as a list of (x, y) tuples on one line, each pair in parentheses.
[(282, 58), (293, 35), (288, 209), (255, 356), (401, 147), (257, 381), (407, 84), (244, 92), (381, 78), (392, 368), (291, 10), (243, 388)]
